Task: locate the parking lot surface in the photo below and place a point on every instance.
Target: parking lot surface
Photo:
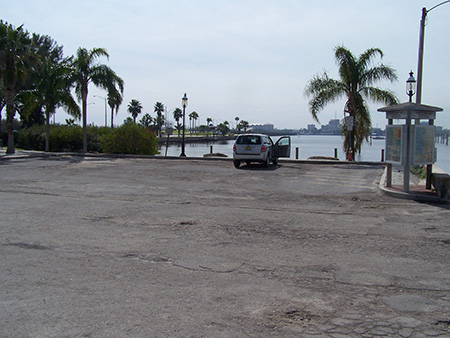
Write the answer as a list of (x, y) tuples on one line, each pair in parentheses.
[(144, 247)]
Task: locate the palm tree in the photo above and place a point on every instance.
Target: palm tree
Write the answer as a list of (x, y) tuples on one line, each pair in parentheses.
[(208, 123), (177, 115), (15, 51), (53, 90), (87, 71), (237, 120), (243, 125), (194, 117), (147, 121), (114, 98), (134, 108), (159, 110), (47, 54), (356, 79)]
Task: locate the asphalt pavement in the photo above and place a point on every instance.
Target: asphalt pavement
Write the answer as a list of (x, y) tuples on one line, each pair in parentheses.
[(152, 247)]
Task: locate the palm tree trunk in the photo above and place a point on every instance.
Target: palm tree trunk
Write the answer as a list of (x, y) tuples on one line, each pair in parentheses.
[(112, 117), (84, 112), (10, 112), (47, 130)]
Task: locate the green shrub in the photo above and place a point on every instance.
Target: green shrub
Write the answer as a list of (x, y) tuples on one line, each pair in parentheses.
[(129, 138), (66, 138), (420, 171), (32, 138)]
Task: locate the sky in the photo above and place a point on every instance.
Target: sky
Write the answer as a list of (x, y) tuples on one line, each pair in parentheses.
[(242, 58)]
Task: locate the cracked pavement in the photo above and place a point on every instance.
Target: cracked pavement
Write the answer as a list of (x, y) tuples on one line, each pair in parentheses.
[(146, 247)]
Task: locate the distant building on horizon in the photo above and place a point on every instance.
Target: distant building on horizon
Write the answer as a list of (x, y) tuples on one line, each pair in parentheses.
[(332, 128), (311, 128), (261, 128)]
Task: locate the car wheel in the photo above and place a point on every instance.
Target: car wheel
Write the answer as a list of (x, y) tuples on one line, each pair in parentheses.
[(266, 162), (237, 163)]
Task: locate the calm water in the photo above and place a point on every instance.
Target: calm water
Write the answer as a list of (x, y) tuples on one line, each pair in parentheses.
[(308, 145)]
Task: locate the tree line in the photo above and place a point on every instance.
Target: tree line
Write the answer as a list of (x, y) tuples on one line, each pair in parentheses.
[(36, 79)]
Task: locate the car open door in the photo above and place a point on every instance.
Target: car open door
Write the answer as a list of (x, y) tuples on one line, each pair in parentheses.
[(283, 147)]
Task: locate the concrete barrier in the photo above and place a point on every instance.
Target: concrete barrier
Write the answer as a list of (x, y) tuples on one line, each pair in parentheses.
[(441, 183)]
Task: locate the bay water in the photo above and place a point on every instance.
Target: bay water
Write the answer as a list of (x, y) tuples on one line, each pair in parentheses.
[(308, 145)]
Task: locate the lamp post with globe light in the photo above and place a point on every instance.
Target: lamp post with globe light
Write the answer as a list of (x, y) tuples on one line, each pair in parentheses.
[(411, 86), (184, 102)]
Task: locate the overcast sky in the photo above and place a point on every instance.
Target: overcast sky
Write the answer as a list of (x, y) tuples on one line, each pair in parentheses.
[(242, 58)]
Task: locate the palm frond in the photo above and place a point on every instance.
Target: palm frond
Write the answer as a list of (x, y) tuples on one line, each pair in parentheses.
[(366, 58), (379, 95), (376, 74), (323, 91)]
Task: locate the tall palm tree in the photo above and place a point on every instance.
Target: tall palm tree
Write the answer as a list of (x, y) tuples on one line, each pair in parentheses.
[(159, 110), (357, 77), (53, 90), (114, 98), (86, 71), (237, 121), (134, 108), (177, 115), (208, 123), (194, 117), (15, 52)]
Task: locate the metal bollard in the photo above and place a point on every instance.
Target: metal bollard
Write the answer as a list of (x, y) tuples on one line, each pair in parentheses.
[(210, 149), (296, 153), (335, 153), (382, 155)]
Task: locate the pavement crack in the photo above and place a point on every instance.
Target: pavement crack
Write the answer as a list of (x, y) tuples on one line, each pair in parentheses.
[(33, 246), (202, 268)]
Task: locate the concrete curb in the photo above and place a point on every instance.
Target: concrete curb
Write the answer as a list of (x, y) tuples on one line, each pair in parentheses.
[(419, 197)]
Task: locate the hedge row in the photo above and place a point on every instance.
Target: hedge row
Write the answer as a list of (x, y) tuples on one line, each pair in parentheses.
[(129, 138)]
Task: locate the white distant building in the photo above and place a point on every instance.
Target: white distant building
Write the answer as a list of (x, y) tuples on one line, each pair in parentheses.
[(262, 128)]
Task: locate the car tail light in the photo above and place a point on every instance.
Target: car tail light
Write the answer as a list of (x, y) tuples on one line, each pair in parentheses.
[(234, 147), (263, 149)]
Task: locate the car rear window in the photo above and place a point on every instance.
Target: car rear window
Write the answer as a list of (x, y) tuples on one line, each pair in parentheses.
[(248, 139)]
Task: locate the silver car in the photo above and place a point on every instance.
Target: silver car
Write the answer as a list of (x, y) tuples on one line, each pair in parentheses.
[(260, 148)]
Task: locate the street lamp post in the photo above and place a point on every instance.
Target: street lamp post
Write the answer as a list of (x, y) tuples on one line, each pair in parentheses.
[(410, 90), (184, 102), (420, 71), (104, 98), (421, 47)]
